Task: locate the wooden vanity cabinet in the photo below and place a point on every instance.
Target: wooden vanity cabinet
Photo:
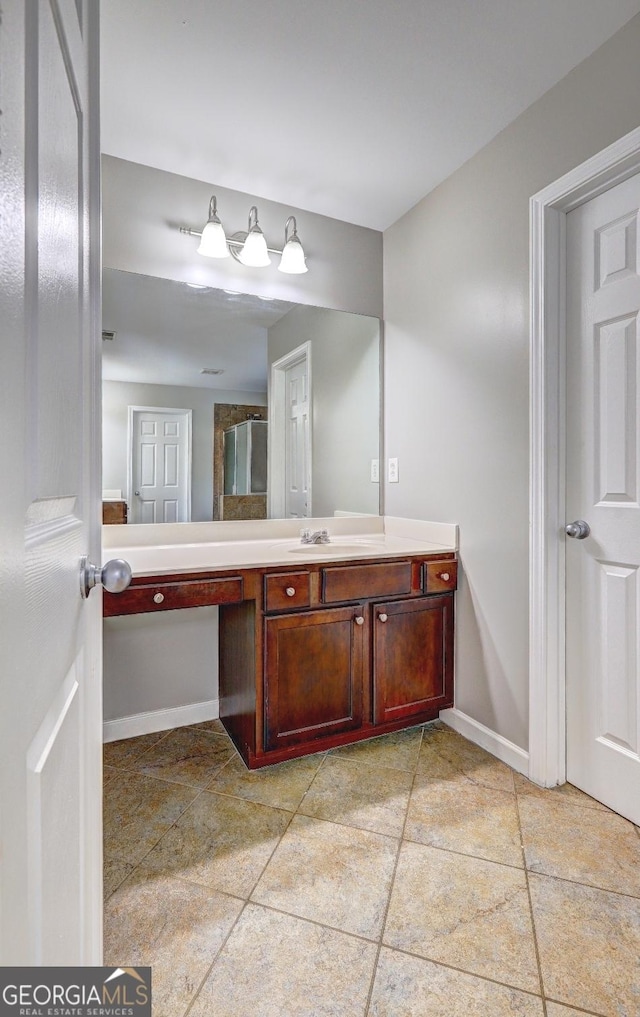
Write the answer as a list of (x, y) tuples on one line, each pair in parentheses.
[(314, 675), (412, 658), (321, 654)]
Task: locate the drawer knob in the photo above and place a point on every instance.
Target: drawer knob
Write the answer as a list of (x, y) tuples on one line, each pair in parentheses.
[(445, 576), (382, 617), (359, 620), (158, 598), (290, 591)]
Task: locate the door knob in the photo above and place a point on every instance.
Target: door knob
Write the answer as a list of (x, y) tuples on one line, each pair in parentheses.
[(359, 620), (578, 529), (115, 576), (382, 617)]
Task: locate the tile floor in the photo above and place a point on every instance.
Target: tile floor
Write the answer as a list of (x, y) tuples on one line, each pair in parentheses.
[(412, 875)]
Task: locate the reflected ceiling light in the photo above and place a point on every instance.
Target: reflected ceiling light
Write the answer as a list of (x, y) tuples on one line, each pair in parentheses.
[(213, 242), (249, 247), (292, 260)]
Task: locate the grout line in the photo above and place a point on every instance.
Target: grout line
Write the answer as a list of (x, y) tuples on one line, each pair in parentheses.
[(462, 854), (471, 974), (392, 881), (578, 1009), (217, 954), (587, 886), (531, 913)]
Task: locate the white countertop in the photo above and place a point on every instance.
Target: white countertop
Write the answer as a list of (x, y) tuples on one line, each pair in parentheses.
[(163, 549)]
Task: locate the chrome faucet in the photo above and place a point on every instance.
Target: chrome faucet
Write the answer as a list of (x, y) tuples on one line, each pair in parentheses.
[(317, 537)]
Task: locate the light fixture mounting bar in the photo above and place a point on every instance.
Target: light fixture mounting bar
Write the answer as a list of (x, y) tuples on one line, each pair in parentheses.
[(232, 243)]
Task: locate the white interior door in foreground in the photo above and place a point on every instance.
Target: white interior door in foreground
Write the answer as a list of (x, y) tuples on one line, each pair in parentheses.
[(160, 470), (603, 489), (50, 638)]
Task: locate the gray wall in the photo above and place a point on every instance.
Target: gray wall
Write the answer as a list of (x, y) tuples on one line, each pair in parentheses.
[(117, 396), (345, 367), (143, 208), (456, 345)]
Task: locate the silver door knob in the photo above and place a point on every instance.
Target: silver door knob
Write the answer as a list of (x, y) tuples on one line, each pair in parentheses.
[(578, 529), (115, 576), (359, 620), (382, 617)]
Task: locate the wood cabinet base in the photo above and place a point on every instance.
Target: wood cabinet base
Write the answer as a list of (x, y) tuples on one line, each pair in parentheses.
[(255, 762)]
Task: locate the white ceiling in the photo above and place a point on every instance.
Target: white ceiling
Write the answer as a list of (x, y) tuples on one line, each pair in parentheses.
[(167, 331), (354, 109)]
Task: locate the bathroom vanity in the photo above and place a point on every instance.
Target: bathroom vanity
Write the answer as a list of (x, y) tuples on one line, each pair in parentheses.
[(318, 645)]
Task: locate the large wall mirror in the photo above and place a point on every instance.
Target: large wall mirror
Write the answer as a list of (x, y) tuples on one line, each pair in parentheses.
[(221, 405)]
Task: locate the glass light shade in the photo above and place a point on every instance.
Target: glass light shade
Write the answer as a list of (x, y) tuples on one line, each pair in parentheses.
[(213, 242), (254, 251), (292, 260)]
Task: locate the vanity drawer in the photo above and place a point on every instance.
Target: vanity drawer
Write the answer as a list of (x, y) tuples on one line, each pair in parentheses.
[(359, 582), (286, 590), (151, 597), (440, 576)]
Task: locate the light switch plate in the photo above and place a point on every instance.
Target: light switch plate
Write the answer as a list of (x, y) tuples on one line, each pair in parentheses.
[(375, 471), (392, 471)]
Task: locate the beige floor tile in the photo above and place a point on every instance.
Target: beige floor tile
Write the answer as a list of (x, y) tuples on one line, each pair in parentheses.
[(584, 845), (274, 965), (186, 756), (335, 875), (124, 752), (137, 811), (175, 927), (478, 765), (221, 842), (462, 816), (114, 872), (367, 797), (466, 912), (281, 786), (398, 750), (566, 793), (589, 944), (411, 987)]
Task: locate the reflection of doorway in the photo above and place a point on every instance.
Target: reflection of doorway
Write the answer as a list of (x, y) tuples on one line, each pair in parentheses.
[(290, 447), (159, 465)]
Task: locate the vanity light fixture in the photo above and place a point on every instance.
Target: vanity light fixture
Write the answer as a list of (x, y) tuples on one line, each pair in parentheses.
[(254, 251), (213, 242), (292, 260), (249, 247)]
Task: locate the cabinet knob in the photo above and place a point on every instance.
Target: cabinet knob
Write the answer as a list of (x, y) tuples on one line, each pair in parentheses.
[(382, 617), (359, 620), (290, 591), (158, 598), (445, 576)]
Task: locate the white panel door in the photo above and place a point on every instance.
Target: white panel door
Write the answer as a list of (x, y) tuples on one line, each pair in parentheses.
[(50, 639), (160, 486), (603, 488), (297, 441)]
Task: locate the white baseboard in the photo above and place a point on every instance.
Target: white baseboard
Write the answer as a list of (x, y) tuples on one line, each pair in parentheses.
[(477, 733), (159, 720)]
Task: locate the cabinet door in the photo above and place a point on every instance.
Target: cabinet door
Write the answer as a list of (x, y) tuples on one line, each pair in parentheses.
[(412, 657), (313, 674)]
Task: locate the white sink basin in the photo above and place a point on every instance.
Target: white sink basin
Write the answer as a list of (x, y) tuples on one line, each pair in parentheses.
[(333, 549)]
